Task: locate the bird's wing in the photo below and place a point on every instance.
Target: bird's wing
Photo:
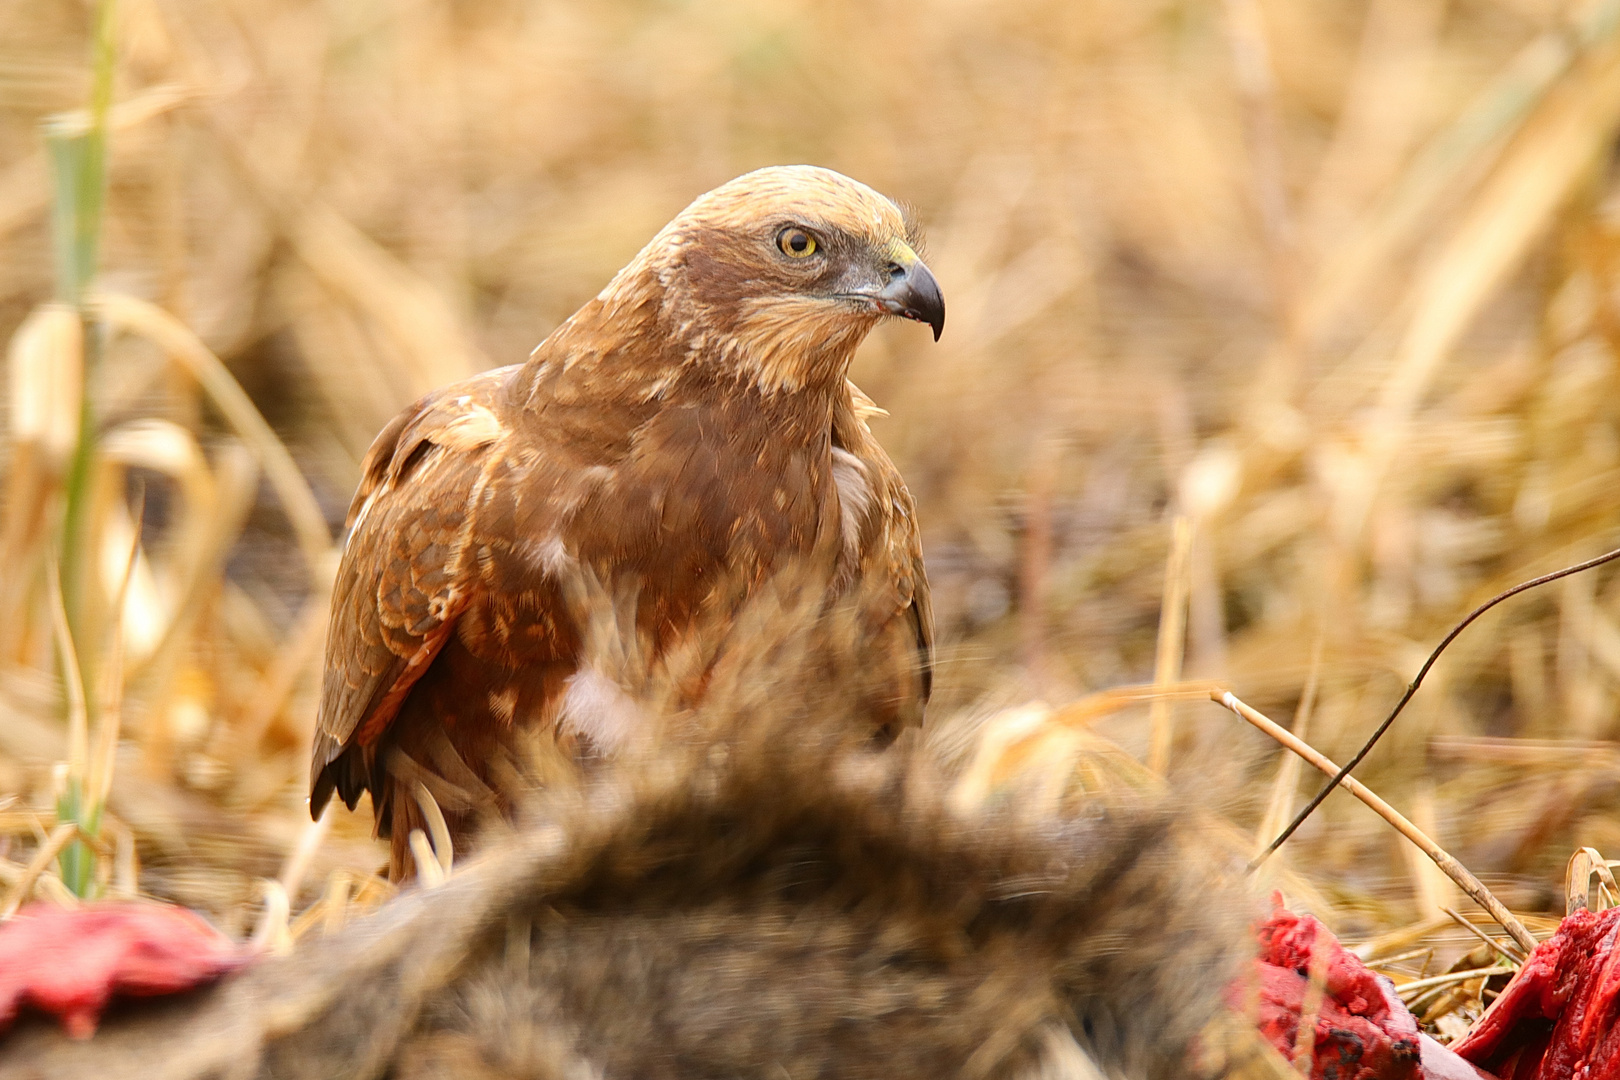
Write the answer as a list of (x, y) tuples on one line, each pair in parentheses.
[(883, 544), (406, 567)]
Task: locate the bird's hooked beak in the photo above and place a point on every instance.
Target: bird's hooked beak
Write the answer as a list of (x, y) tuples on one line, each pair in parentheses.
[(912, 291)]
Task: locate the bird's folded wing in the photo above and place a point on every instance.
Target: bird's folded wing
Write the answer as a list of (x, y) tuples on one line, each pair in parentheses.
[(406, 569), (911, 580), (888, 539)]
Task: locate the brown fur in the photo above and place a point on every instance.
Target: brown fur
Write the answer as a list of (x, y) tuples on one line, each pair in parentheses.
[(681, 438), (763, 900), (757, 919)]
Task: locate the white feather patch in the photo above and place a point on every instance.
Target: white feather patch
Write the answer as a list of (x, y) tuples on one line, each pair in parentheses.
[(365, 511), (475, 428), (854, 495), (550, 555), (596, 708)]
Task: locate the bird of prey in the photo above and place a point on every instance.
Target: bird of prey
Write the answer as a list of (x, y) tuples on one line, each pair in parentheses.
[(682, 436)]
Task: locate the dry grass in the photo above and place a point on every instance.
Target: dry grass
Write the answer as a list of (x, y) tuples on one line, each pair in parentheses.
[(1335, 282)]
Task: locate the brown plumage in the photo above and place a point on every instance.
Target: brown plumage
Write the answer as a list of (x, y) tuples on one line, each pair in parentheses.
[(680, 439)]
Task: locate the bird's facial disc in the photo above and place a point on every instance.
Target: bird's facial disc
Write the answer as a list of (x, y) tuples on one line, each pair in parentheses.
[(878, 277), (781, 273)]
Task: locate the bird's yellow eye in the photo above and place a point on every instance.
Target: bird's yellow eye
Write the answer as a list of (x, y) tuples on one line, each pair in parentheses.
[(796, 243)]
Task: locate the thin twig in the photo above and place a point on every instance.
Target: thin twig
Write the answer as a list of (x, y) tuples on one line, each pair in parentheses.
[(1417, 681), (72, 676), (183, 346), (1286, 784), (1454, 977), (271, 934), (298, 860), (1507, 954), (1453, 869), (60, 837), (109, 719), (1410, 954)]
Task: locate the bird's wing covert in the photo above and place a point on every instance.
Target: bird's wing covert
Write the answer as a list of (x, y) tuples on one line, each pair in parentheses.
[(892, 558), (406, 569)]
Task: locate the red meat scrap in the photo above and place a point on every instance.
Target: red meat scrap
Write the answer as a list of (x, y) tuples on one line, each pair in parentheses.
[(70, 962), (1559, 1019), (1363, 1031)]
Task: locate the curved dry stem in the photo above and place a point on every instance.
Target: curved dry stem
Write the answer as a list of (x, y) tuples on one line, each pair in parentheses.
[(1453, 869), (186, 348), (63, 835)]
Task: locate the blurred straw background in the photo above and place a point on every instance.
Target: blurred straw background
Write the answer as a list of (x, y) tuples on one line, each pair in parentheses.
[(1294, 322)]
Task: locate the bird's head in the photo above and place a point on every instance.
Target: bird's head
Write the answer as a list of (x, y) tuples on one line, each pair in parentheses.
[(779, 274)]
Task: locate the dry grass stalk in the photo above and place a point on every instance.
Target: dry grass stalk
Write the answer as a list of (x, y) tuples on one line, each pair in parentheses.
[(1279, 808), (298, 860), (1496, 946), (273, 932), (1453, 869), (131, 315), (1171, 644), (1252, 66), (1585, 863), (61, 836), (1409, 990), (1553, 152)]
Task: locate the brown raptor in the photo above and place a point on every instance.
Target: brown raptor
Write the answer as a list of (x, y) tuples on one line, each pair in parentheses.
[(684, 435)]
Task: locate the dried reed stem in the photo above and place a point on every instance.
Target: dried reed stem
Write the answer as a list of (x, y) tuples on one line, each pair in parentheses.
[(1287, 780), (70, 801), (1172, 644), (63, 835), (1449, 977), (109, 721), (301, 650), (78, 748), (1578, 879), (1553, 153), (183, 346), (272, 933), (1257, 91), (1453, 869), (298, 860), (334, 903), (1457, 918)]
